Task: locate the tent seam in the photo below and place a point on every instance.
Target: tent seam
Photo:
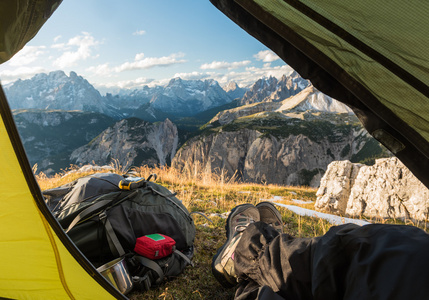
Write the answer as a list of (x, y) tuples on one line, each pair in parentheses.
[(57, 256), (364, 48)]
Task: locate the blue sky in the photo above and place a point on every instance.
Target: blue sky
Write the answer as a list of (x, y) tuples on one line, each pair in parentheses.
[(131, 43)]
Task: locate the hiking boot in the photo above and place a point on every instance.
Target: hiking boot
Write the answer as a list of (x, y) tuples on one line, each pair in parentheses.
[(223, 262), (269, 214)]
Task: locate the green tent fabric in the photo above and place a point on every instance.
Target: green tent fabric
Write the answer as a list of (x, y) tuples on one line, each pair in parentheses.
[(370, 55)]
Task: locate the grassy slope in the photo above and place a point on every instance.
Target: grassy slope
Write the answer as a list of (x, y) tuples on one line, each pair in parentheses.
[(213, 196)]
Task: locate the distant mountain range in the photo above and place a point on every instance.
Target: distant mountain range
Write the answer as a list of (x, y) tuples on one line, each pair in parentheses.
[(179, 98), (277, 130)]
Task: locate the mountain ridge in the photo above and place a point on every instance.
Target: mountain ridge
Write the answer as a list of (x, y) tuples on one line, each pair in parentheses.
[(56, 90), (165, 124)]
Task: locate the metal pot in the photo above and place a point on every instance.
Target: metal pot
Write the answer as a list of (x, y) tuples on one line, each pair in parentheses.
[(116, 272)]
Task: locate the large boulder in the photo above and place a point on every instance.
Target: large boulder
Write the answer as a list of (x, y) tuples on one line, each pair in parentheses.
[(385, 190), (335, 186)]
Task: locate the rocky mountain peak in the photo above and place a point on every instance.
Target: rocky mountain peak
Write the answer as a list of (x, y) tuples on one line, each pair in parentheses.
[(233, 90), (230, 86), (175, 82), (273, 90), (56, 90)]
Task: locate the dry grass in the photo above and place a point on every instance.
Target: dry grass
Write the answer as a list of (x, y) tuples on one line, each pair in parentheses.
[(212, 195)]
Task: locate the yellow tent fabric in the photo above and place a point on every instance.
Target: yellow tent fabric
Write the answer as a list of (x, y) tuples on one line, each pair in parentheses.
[(39, 261), (35, 262)]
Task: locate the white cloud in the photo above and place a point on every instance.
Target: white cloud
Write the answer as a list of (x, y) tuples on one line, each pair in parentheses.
[(266, 56), (8, 76), (216, 65), (76, 49), (57, 38), (139, 32), (139, 56), (103, 70), (126, 84), (192, 76), (140, 62), (60, 46), (27, 55), (251, 75)]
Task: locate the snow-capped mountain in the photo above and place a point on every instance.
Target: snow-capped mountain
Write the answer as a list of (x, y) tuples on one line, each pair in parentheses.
[(234, 91), (273, 90), (311, 99), (56, 90), (308, 100), (179, 98), (188, 97)]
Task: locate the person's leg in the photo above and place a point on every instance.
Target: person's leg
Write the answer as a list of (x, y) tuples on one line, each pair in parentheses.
[(349, 262), (279, 261), (224, 272), (249, 289), (223, 261), (376, 261)]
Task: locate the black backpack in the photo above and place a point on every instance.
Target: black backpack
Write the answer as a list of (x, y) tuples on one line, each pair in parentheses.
[(105, 213)]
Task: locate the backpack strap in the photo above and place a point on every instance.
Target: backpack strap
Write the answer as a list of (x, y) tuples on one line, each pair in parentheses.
[(151, 265), (184, 257), (90, 211), (87, 212), (113, 241), (98, 208)]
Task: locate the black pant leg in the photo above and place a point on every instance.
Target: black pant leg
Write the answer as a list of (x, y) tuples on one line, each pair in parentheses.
[(375, 261), (280, 262)]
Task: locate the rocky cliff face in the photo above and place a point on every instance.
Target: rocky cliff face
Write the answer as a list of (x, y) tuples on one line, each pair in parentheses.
[(275, 149), (223, 153), (385, 190), (131, 142)]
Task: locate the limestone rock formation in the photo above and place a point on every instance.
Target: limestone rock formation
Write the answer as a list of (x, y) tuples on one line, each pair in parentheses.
[(385, 190), (273, 150), (217, 153), (131, 142), (335, 186)]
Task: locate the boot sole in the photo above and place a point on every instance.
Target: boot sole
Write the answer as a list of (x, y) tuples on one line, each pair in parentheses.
[(217, 269)]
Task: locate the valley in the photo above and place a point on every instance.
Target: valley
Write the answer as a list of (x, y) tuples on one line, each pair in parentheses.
[(280, 131)]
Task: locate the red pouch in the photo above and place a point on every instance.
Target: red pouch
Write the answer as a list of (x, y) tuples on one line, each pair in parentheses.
[(155, 246)]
